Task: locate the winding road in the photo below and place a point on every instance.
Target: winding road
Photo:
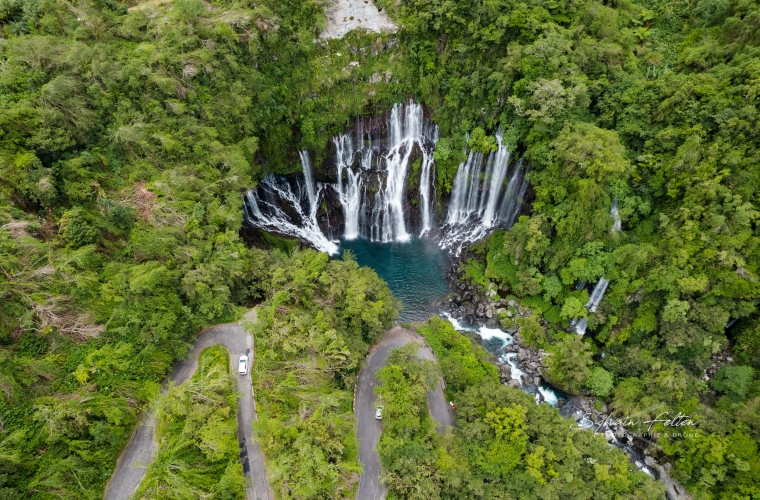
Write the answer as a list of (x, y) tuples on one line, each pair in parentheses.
[(368, 429), (141, 449)]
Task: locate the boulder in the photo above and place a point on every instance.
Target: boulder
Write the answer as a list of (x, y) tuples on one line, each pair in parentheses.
[(522, 355), (673, 490), (515, 384), (537, 381)]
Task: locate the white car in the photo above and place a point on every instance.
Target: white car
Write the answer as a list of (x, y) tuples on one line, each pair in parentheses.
[(379, 412), (243, 365)]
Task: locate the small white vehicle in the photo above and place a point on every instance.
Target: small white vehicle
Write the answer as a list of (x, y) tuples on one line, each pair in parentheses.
[(243, 365), (379, 412)]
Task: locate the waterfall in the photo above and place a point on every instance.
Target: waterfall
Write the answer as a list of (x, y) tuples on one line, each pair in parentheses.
[(350, 193), (276, 205), (597, 295), (617, 224), (497, 173), (372, 176), (308, 176), (479, 198), (579, 326), (372, 165), (427, 178)]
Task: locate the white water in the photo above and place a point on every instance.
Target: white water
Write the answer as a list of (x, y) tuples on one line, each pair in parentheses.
[(579, 326), (364, 168), (550, 397), (597, 295), (263, 210), (457, 325), (350, 194), (510, 358), (479, 199), (617, 225), (517, 373), (427, 192), (371, 183), (308, 176)]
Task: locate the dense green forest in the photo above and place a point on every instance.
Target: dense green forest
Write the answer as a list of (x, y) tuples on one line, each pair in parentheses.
[(197, 436), (503, 446), (652, 104), (128, 132)]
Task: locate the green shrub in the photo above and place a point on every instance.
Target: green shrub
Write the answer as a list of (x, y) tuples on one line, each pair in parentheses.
[(733, 380), (600, 382)]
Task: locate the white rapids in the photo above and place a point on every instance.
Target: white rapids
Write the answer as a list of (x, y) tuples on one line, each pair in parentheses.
[(510, 358)]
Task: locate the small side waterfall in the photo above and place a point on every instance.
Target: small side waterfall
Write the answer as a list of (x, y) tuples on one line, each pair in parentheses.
[(427, 188), (266, 207), (594, 300), (597, 295), (479, 198), (617, 225), (308, 176)]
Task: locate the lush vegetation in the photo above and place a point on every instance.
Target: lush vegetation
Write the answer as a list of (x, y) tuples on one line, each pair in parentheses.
[(196, 430), (410, 448), (503, 445), (128, 133), (314, 330)]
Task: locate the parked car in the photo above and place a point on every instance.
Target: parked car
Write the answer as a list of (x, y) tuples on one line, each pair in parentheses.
[(243, 365), (379, 412)]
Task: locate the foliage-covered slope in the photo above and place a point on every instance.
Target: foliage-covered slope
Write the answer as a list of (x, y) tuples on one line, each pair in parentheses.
[(127, 137), (652, 104)]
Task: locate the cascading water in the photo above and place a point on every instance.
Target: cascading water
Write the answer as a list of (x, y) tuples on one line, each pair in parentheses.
[(427, 190), (372, 178), (349, 192), (264, 207), (597, 295), (308, 176), (488, 335), (479, 204), (617, 225), (594, 300), (372, 174)]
